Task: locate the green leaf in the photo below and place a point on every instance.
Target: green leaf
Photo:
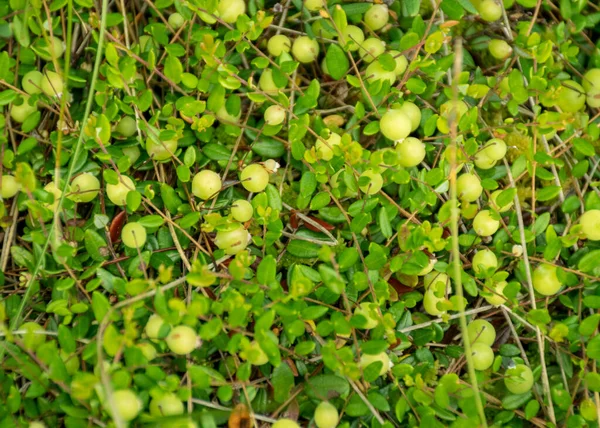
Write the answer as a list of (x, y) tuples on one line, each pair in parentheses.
[(21, 31), (326, 386), (411, 7), (7, 96), (283, 382), (513, 402), (593, 348), (384, 223), (303, 249), (541, 223), (308, 184), (589, 325), (416, 85), (331, 279), (151, 221), (468, 6), (337, 61), (22, 257), (532, 409), (96, 245), (452, 9), (589, 262), (313, 312), (548, 193), (100, 306), (173, 68)]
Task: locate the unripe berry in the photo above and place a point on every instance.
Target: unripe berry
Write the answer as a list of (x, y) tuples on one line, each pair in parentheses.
[(499, 49), (230, 10), (484, 260), (325, 150), (285, 423), (483, 356), (266, 82), (168, 404), (126, 126), (176, 20), (368, 310), (481, 331), (494, 203), (496, 297), (117, 193), (223, 115), (153, 326), (411, 152), (571, 96), (401, 62), (274, 115), (588, 410), (375, 72), (52, 84), (314, 5), (590, 224), (413, 112), (431, 299), (395, 125), (32, 82), (127, 404), (182, 340), (519, 379), (490, 10), (9, 186), (241, 210), (305, 49), (366, 360), (375, 183), (370, 49), (484, 224), (53, 48), (233, 240), (468, 187), (482, 161), (84, 188), (352, 37), (279, 44), (593, 97), (591, 79), (254, 178), (161, 150), (450, 111), (19, 113), (132, 153), (545, 280), (206, 184), (326, 415), (133, 235), (377, 17)]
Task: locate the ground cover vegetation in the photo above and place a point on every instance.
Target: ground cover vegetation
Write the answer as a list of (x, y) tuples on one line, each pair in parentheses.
[(300, 213)]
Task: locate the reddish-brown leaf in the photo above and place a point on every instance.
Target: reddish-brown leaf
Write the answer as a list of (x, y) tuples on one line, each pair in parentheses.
[(399, 287), (114, 232), (323, 223), (294, 220), (240, 417)]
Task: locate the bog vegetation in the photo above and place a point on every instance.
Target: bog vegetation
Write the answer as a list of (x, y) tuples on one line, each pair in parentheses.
[(300, 213)]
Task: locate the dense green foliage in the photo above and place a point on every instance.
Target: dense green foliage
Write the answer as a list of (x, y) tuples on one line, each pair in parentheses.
[(318, 213)]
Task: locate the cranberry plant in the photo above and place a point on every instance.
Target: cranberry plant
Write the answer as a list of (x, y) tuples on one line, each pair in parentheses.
[(299, 213)]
